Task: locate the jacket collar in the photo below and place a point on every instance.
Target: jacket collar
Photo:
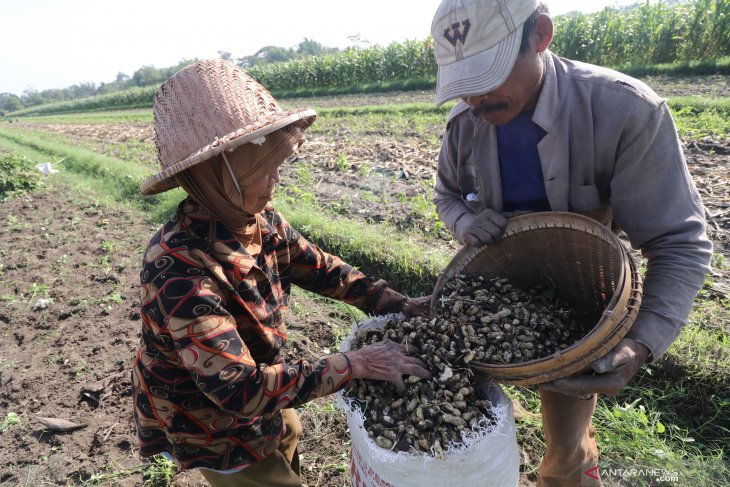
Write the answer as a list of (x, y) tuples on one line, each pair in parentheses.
[(199, 223), (555, 146), (548, 103)]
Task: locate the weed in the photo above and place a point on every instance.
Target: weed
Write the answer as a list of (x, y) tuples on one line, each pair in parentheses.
[(56, 359), (159, 473), (108, 246), (718, 261), (103, 478), (363, 170), (11, 419), (8, 364), (113, 298), (298, 197), (105, 263), (367, 195), (18, 174), (696, 122), (13, 225), (341, 163), (304, 175), (38, 290), (341, 205)]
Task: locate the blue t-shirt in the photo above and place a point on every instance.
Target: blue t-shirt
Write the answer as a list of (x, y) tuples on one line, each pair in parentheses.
[(523, 187)]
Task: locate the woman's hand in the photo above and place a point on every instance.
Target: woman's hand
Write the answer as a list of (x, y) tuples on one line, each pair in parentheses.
[(417, 306), (386, 360)]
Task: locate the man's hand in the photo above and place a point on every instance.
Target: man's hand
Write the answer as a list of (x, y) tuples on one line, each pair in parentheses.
[(387, 360), (614, 371), (417, 306), (483, 229)]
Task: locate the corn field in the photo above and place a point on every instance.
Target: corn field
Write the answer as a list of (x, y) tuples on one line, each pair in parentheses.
[(646, 34), (639, 35), (407, 60), (140, 97)]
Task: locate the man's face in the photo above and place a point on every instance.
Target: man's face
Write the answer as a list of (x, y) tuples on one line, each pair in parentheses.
[(518, 93)]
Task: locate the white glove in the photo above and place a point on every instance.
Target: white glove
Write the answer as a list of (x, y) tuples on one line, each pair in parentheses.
[(484, 228)]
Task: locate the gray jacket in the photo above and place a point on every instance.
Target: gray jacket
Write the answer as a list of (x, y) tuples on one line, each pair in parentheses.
[(611, 149)]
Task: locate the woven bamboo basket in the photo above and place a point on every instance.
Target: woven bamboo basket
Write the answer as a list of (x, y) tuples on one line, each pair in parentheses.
[(587, 265)]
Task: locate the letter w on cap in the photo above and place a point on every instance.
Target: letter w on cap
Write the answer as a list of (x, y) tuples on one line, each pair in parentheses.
[(453, 34)]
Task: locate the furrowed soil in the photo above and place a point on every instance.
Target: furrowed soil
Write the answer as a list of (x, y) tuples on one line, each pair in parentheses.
[(69, 321), (69, 298)]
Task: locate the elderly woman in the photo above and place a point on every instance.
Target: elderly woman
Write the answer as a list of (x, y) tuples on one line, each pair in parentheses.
[(210, 386)]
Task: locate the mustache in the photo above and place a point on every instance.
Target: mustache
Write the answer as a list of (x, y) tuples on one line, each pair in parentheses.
[(487, 108)]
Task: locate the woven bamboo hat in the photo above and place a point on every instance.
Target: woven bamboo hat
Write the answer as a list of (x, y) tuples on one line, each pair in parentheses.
[(207, 108)]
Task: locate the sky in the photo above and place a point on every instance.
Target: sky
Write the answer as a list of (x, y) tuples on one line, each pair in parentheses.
[(50, 44)]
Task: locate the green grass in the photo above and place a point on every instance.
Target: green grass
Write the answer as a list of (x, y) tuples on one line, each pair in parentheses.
[(659, 421), (698, 117), (383, 87), (10, 420), (159, 473), (103, 117), (111, 179), (692, 68), (376, 249), (18, 174)]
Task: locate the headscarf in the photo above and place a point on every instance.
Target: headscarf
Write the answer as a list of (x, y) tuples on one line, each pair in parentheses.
[(212, 183)]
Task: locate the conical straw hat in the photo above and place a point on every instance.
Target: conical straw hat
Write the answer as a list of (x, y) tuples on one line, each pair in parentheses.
[(206, 108)]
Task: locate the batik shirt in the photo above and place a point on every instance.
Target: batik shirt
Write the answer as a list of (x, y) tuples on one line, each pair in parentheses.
[(208, 379)]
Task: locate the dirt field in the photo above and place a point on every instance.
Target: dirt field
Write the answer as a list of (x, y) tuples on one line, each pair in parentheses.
[(69, 318)]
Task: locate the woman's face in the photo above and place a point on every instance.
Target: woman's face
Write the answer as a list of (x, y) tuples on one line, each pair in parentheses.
[(258, 189)]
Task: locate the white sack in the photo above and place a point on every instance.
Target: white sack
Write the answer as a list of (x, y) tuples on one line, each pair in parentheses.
[(488, 457)]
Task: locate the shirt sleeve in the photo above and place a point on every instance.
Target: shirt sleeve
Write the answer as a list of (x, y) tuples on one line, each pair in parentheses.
[(656, 203), (447, 193), (315, 270), (191, 309)]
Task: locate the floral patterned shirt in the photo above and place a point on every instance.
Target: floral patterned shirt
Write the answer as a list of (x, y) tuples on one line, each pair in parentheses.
[(208, 379)]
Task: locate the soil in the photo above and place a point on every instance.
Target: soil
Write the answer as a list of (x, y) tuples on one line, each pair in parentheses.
[(69, 319)]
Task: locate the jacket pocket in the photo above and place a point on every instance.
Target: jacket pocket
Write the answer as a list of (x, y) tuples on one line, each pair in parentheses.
[(469, 187), (586, 200), (584, 197)]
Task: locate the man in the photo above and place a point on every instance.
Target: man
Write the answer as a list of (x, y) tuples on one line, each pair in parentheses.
[(536, 132)]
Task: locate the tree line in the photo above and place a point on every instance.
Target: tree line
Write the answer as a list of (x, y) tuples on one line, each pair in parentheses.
[(150, 75)]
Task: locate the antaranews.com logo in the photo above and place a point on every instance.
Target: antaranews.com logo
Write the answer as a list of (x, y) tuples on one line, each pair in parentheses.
[(653, 474)]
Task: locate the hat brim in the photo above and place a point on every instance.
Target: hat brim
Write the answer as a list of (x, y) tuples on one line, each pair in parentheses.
[(480, 73), (165, 180)]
